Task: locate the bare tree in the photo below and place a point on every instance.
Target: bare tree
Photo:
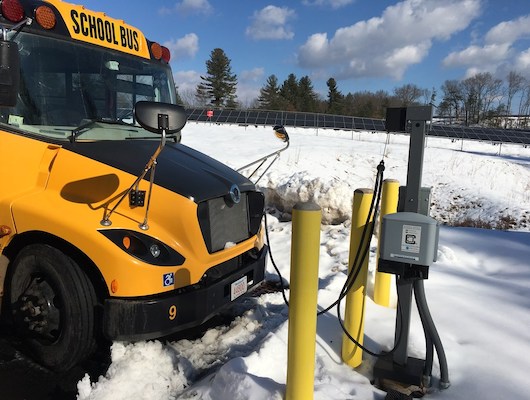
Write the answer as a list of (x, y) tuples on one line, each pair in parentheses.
[(516, 83), (429, 96), (524, 106), (453, 98), (492, 92), (188, 97), (409, 94), (480, 91), (471, 102)]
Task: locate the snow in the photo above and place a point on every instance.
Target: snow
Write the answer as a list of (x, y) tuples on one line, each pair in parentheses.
[(478, 291)]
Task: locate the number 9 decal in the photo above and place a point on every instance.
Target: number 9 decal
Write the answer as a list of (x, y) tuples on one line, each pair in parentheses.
[(172, 312)]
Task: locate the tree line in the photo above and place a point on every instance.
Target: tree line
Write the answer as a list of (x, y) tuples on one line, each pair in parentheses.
[(478, 100)]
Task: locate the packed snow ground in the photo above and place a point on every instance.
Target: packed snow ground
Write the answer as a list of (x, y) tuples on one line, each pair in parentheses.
[(478, 290)]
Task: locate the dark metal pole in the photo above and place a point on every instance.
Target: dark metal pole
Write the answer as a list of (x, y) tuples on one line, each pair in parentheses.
[(418, 116)]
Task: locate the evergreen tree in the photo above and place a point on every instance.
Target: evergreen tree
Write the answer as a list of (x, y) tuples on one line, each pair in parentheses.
[(335, 98), (219, 84), (289, 92), (269, 95), (232, 102), (306, 98)]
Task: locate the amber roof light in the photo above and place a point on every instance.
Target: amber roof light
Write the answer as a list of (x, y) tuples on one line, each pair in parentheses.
[(156, 50), (45, 17)]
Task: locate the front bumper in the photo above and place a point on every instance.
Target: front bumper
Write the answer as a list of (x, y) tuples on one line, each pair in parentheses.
[(135, 319)]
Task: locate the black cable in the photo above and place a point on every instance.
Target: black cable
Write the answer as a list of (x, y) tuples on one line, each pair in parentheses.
[(374, 209), (386, 353), (431, 335), (354, 270), (372, 213), (272, 261), (362, 251), (356, 267), (419, 294)]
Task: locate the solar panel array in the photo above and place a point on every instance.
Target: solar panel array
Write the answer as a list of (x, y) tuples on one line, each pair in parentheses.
[(313, 120), (496, 135)]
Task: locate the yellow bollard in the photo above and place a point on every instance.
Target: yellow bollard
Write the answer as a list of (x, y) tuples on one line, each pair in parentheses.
[(354, 313), (389, 204), (305, 252)]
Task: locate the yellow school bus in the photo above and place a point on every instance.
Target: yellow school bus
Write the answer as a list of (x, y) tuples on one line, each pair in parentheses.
[(110, 228)]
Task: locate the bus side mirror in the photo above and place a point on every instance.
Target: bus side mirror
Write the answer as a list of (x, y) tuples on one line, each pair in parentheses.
[(9, 73), (156, 117)]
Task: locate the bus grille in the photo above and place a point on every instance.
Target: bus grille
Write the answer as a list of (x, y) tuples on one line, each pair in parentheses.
[(224, 223)]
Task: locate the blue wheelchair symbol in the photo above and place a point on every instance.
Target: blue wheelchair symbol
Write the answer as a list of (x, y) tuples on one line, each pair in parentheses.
[(169, 279)]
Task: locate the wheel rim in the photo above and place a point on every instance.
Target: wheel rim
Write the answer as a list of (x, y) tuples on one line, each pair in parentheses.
[(38, 310)]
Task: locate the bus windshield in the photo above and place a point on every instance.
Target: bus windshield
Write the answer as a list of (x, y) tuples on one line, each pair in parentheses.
[(64, 86)]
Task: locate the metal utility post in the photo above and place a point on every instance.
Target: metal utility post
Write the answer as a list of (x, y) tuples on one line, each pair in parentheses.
[(408, 246), (400, 253), (418, 117)]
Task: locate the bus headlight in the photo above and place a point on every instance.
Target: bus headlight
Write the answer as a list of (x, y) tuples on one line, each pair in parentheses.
[(143, 247)]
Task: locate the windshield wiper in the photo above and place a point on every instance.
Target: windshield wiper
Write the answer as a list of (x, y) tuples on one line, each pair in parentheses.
[(89, 123), (175, 137)]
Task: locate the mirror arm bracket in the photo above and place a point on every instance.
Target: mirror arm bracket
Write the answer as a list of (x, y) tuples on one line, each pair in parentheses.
[(27, 21)]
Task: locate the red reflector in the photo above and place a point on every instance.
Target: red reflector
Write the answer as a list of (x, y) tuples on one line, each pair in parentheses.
[(12, 10), (156, 51), (45, 17), (166, 54)]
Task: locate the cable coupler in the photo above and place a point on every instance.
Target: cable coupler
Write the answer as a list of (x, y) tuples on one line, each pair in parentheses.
[(381, 167)]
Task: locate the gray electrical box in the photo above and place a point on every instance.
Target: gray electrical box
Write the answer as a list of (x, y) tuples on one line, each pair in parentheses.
[(410, 238)]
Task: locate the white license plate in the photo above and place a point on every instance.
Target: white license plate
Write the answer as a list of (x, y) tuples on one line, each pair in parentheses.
[(238, 288)]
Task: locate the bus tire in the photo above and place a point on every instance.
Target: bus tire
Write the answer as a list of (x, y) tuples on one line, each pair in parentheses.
[(52, 304)]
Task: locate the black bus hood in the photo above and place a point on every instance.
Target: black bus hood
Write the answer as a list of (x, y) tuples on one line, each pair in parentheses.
[(179, 168)]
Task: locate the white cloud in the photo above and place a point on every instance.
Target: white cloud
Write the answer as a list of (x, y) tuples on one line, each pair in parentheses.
[(509, 31), (498, 54), (252, 75), (522, 62), (386, 46), (402, 57), (188, 7), (187, 82), (185, 47), (334, 4), (247, 94), (183, 78), (271, 22), (478, 55), (249, 85)]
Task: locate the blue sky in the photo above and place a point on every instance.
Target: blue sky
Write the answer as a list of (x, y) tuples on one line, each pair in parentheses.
[(363, 44)]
